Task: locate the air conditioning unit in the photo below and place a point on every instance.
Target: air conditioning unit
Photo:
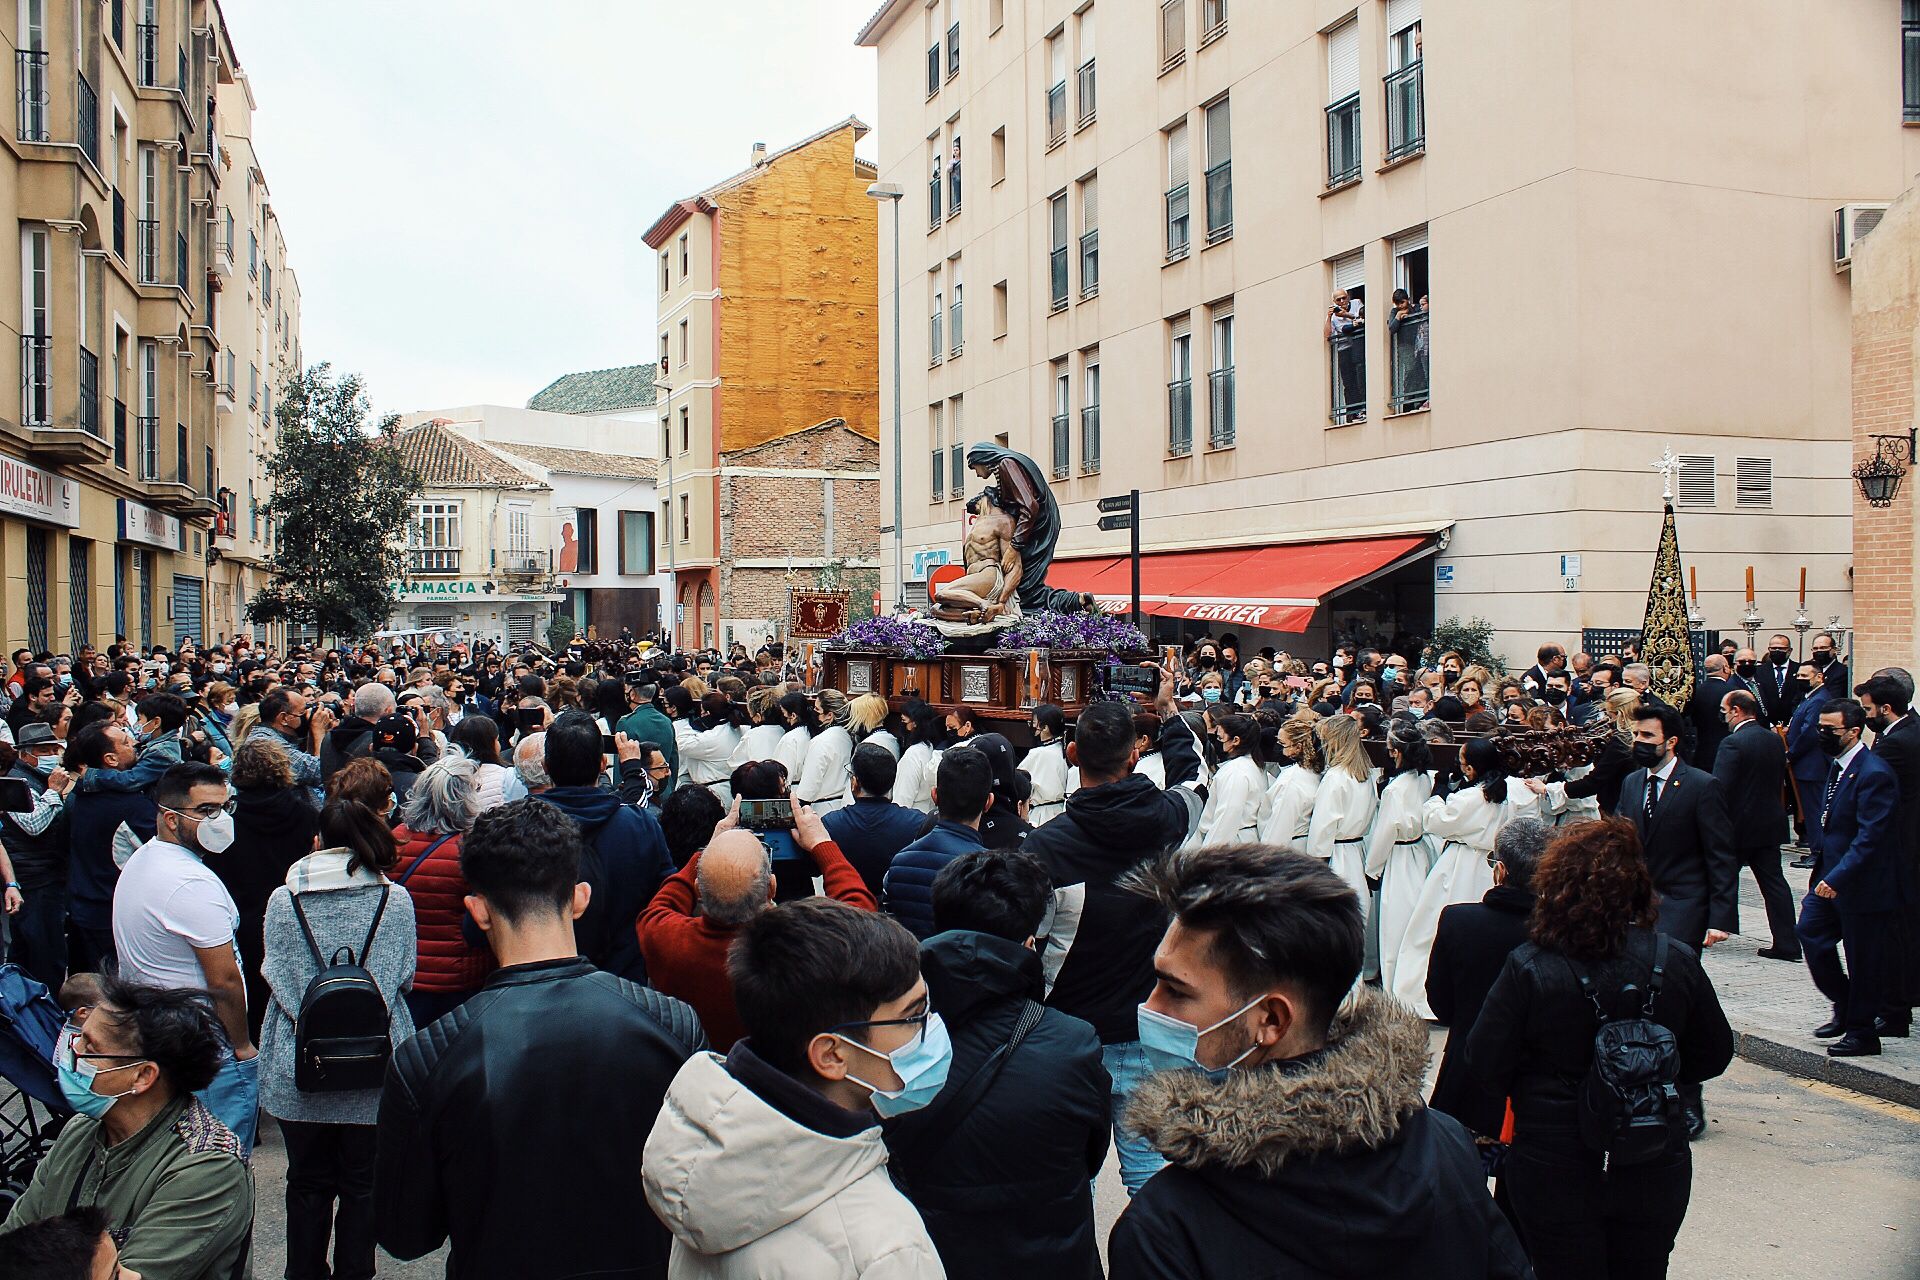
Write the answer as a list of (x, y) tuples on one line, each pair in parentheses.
[(526, 564), (1850, 223)]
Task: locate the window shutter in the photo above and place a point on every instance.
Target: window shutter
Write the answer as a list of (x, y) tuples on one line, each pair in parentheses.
[(1401, 14), (1753, 482), (1410, 242), (1343, 62), (1089, 204), (1086, 37), (1177, 155), (1696, 488), (1350, 272), (1059, 211), (1219, 134), (1182, 326)]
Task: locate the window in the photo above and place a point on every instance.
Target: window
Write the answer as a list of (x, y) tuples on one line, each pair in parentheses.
[(1347, 340), (686, 431), (31, 71), (937, 486), (1057, 256), (253, 512), (663, 353), (999, 154), (146, 228), (36, 328), (636, 541), (182, 459), (683, 344), (933, 70), (666, 270), (936, 348), (1056, 88), (686, 518), (1090, 416), (1085, 99), (433, 537), (1213, 19), (1177, 191), (1220, 391), (1695, 487), (1406, 101), (953, 50), (1407, 323), (936, 183), (686, 259), (1343, 104), (1173, 34), (1753, 482), (956, 327), (996, 15), (1219, 173), (1910, 58), (1062, 419), (956, 449), (147, 424), (1000, 310), (1089, 236), (1180, 387), (953, 177)]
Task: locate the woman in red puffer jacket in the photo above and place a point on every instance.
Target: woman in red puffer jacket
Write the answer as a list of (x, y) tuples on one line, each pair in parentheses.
[(439, 811)]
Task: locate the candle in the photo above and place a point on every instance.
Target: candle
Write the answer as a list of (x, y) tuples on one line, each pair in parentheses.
[(1749, 584), (1693, 576), (1803, 584)]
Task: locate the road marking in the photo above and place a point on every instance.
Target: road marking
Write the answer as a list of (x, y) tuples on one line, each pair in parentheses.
[(1894, 1109)]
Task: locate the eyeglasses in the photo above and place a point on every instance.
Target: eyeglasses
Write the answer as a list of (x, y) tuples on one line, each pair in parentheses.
[(1493, 859), (204, 811), (918, 1021)]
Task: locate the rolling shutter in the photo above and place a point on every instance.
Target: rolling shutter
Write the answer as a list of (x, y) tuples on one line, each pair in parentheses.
[(1343, 62)]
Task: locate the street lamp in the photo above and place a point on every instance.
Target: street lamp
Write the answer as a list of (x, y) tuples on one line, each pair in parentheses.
[(673, 582), (893, 191), (1879, 476)]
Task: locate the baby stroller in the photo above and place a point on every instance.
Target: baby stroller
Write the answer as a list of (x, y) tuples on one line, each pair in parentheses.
[(32, 1110)]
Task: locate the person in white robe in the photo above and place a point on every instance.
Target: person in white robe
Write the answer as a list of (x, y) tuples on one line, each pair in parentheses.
[(827, 770), (920, 761), (1290, 797), (1237, 801), (866, 721), (762, 738), (1046, 765), (706, 744), (798, 714), (1399, 854), (1343, 808)]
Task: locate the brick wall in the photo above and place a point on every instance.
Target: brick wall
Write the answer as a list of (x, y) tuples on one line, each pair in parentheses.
[(774, 517)]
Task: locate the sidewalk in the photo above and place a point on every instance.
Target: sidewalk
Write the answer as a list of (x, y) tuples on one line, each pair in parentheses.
[(1774, 1009)]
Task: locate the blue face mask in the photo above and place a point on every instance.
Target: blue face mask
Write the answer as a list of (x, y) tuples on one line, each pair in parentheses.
[(1173, 1045), (1210, 694), (76, 1080), (922, 1068)]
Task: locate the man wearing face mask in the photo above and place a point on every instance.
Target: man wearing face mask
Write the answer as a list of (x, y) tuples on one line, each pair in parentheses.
[(1778, 682), (174, 924), (840, 1035), (37, 843), (1289, 1100), (1896, 740)]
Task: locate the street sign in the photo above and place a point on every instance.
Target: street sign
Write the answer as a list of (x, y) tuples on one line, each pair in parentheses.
[(1109, 523), (1119, 502)]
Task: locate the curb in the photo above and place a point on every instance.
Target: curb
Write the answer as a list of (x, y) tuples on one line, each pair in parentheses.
[(1814, 1064)]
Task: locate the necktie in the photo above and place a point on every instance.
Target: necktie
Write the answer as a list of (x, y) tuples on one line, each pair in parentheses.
[(1653, 795)]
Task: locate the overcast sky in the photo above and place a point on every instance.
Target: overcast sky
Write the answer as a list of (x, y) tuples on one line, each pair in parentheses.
[(463, 183)]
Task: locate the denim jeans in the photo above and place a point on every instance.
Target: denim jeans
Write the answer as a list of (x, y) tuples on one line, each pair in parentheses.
[(234, 1098), (1127, 1063)]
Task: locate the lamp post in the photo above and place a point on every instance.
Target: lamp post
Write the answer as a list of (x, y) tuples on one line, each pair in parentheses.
[(892, 191), (673, 582)]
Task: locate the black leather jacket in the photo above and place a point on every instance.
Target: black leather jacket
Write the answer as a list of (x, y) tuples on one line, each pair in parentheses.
[(513, 1126)]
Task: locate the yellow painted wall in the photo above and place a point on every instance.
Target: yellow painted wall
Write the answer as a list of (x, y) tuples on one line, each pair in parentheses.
[(799, 295)]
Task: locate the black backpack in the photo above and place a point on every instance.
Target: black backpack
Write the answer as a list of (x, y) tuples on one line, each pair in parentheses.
[(1629, 1104), (340, 1036)]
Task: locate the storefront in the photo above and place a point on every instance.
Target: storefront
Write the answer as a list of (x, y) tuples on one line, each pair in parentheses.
[(474, 608), (46, 504), (145, 550)]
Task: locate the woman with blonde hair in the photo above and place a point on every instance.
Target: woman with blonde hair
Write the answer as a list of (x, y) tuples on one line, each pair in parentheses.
[(1290, 798), (867, 722), (827, 770), (1344, 807)]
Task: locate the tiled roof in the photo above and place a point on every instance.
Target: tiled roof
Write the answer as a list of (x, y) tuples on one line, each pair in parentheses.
[(582, 462), (597, 390), (445, 458)]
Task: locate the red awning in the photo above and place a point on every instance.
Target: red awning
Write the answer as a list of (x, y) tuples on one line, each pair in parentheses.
[(1274, 588)]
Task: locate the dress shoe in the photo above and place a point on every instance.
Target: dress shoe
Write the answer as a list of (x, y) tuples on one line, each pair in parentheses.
[(1802, 864), (1779, 953), (1696, 1118), (1834, 1026), (1898, 1030), (1854, 1046)]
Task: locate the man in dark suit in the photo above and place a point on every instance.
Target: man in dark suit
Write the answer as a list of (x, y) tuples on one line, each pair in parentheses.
[(1856, 883), (1778, 682), (1550, 659), (1709, 728), (1752, 766), (1896, 740), (1681, 815), (1808, 766)]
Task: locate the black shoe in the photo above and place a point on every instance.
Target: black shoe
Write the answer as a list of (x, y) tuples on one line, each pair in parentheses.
[(1834, 1026), (1802, 864), (1855, 1046), (1696, 1118), (1780, 953), (1898, 1030)]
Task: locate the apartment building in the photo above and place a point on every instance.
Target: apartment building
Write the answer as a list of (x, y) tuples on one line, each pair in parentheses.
[(1183, 227), (255, 300), (767, 384)]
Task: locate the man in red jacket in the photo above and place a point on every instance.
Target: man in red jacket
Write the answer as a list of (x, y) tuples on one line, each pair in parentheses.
[(686, 930)]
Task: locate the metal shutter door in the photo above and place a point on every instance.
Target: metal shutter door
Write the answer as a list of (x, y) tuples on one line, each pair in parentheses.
[(187, 594)]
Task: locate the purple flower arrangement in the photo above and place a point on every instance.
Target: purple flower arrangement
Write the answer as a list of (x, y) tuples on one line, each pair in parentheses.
[(1044, 629), (904, 636)]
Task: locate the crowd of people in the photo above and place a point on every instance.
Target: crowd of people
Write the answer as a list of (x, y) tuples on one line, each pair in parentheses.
[(619, 962)]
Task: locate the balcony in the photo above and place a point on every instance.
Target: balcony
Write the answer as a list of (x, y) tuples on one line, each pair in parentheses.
[(147, 447), (36, 381), (428, 562), (1347, 369), (1090, 439), (52, 433), (120, 434), (1085, 94), (87, 130), (146, 250), (1343, 141), (1406, 114), (1090, 264), (1222, 409), (222, 249), (1057, 277), (30, 78), (1062, 464), (1219, 202), (522, 564), (1056, 115), (146, 45), (119, 225), (933, 200), (1177, 223), (1180, 417), (1910, 71), (1408, 353)]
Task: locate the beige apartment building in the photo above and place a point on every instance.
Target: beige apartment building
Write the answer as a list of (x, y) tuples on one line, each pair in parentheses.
[(256, 305), (108, 456), (1611, 244)]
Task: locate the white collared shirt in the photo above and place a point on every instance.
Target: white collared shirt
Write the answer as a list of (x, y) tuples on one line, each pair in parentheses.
[(1845, 758)]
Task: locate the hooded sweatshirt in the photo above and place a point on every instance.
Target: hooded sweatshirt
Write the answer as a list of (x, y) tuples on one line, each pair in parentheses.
[(1325, 1166), (748, 1191), (626, 863)]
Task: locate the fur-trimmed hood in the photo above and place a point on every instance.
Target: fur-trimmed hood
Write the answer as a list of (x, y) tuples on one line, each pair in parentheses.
[(1353, 1096)]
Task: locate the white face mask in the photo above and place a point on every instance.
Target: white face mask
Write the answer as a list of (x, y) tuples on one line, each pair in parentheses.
[(215, 834)]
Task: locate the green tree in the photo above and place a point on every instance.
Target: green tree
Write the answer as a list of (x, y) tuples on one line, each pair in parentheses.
[(1472, 640), (560, 631), (838, 575), (339, 508)]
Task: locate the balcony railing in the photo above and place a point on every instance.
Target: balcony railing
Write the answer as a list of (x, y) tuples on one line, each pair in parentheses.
[(119, 225), (525, 562), (956, 328), (182, 459), (1057, 114), (933, 70), (147, 434), (147, 249), (936, 348), (933, 200), (146, 39), (1213, 19), (1406, 113), (180, 259), (1177, 222), (30, 73), (1084, 91), (89, 392), (1090, 439), (1347, 365), (1220, 202), (957, 466), (1173, 32), (120, 434), (1910, 69), (1180, 417), (433, 560), (1057, 276), (1062, 464), (953, 50), (1343, 141), (36, 380), (88, 131), (1409, 359), (1090, 263), (953, 187), (1221, 410)]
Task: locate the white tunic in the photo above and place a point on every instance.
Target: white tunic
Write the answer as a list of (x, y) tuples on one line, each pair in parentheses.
[(1342, 812), (1153, 766), (879, 738), (913, 784), (1465, 824), (1046, 767), (705, 753), (792, 752), (1557, 808), (1290, 808), (1236, 803), (1399, 855), (757, 743), (824, 776)]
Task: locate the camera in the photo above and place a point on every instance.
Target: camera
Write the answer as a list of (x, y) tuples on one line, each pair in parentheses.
[(1133, 679)]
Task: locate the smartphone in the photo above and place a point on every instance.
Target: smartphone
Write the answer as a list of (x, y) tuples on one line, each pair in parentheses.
[(530, 719), (16, 795), (1130, 678), (755, 815), (1296, 682), (606, 744)]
